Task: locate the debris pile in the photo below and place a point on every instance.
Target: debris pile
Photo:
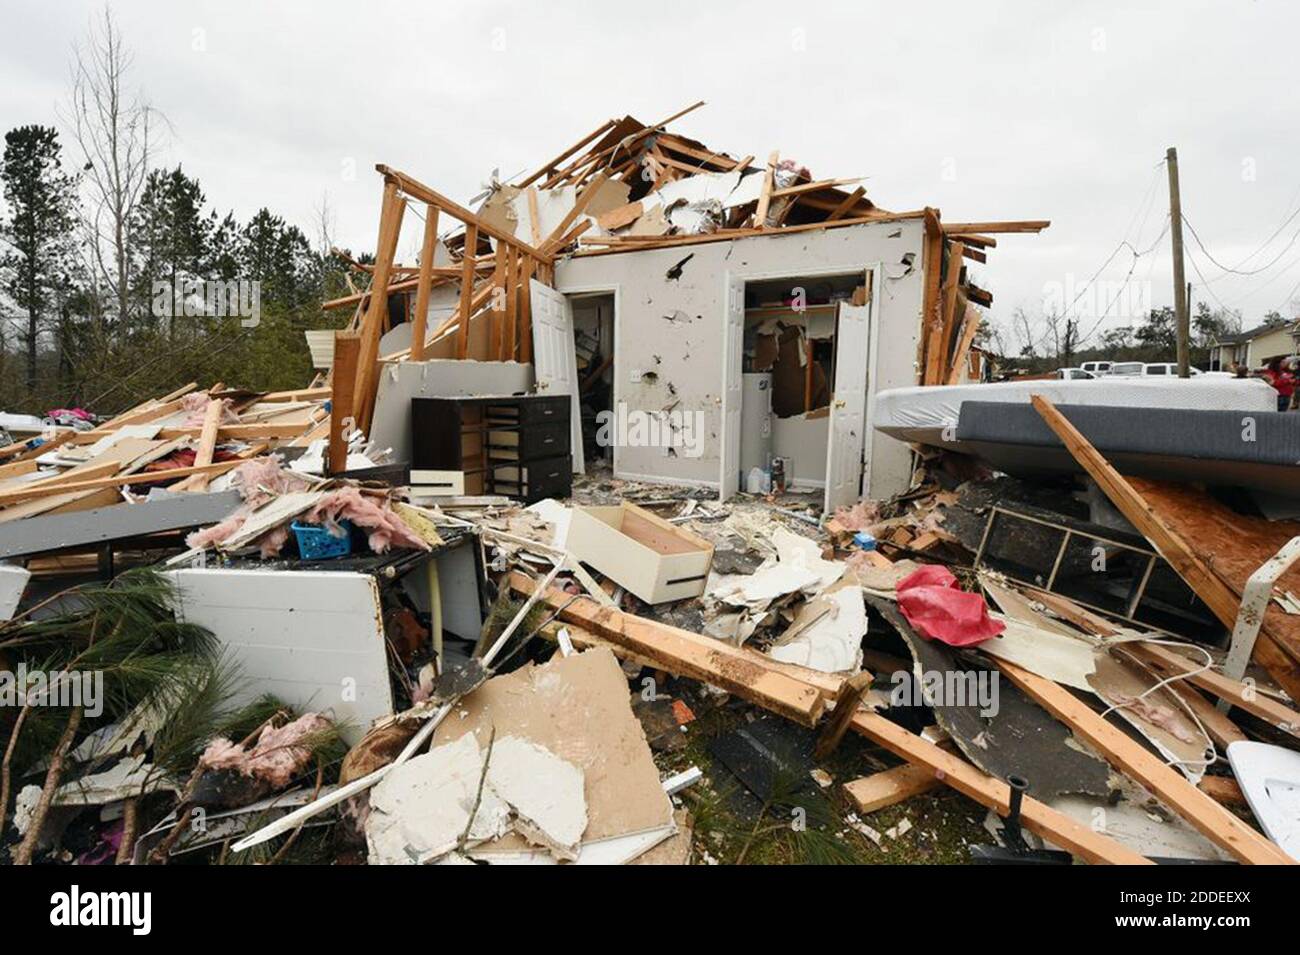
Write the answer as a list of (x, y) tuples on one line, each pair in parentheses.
[(398, 618)]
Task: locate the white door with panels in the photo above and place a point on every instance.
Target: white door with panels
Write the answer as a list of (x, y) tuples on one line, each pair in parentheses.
[(848, 422), (555, 363)]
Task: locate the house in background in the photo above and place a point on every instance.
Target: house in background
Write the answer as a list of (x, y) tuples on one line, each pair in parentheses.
[(652, 278), (1257, 346)]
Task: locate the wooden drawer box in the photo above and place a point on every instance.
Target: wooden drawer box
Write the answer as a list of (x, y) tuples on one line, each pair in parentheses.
[(652, 558)]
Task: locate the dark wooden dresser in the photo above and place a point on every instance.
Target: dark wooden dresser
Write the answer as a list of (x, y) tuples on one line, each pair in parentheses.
[(517, 446)]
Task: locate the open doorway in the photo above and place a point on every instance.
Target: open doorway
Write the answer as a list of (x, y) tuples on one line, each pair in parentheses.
[(593, 340), (795, 417)]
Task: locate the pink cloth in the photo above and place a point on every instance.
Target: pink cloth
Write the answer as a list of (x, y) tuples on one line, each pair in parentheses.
[(938, 609)]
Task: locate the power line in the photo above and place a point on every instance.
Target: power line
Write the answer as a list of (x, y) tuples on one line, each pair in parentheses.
[(1262, 268)]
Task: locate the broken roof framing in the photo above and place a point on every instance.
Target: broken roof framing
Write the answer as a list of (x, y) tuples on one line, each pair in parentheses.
[(607, 214)]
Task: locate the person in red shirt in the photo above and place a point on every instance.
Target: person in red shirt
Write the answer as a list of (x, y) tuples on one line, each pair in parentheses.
[(1278, 373)]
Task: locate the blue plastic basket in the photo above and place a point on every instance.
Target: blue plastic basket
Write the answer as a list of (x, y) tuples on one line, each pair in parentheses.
[(317, 543)]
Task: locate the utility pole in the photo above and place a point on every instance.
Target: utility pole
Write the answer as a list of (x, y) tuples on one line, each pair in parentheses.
[(1182, 319)]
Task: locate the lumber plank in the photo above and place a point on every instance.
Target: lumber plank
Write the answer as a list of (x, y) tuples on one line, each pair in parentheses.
[(969, 329), (765, 196), (846, 704), (207, 442), (550, 166), (1018, 225), (367, 377), (688, 654), (419, 326), (849, 202), (931, 325), (120, 480), (891, 786), (347, 351), (1208, 817), (1240, 695), (510, 321), (467, 291), (994, 794), (802, 187)]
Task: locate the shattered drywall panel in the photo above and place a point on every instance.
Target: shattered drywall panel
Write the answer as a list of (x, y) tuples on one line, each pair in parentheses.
[(674, 327)]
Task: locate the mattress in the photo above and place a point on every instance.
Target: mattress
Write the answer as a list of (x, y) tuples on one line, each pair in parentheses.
[(928, 414), (1252, 449)]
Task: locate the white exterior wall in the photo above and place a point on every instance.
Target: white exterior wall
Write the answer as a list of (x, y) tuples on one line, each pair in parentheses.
[(675, 328)]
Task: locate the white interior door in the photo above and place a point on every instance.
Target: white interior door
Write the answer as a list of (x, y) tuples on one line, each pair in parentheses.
[(555, 363), (848, 407), (733, 341)]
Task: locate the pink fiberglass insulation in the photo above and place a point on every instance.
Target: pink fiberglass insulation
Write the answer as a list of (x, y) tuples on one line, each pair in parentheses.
[(368, 512), (859, 517), (938, 609), (257, 480), (195, 406), (280, 753), (261, 479)]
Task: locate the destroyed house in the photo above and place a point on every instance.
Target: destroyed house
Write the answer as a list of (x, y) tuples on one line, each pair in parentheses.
[(707, 315)]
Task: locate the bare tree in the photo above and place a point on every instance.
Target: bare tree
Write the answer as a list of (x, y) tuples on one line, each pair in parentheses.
[(116, 130)]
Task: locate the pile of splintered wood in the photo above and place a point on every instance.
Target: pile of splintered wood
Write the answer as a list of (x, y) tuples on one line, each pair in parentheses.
[(181, 440)]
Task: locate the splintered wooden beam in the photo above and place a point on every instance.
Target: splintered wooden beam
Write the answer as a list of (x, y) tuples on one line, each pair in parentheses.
[(347, 351), (627, 144), (549, 167), (497, 337), (1241, 695), (765, 196), (735, 670), (1168, 785), (1021, 225), (891, 786), (419, 327), (849, 202), (953, 307), (466, 291), (120, 480), (526, 310), (802, 187), (931, 326), (970, 328), (367, 377), (510, 320), (846, 704), (207, 442)]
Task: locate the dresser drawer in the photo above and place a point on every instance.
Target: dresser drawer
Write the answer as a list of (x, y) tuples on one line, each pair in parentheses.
[(541, 409)]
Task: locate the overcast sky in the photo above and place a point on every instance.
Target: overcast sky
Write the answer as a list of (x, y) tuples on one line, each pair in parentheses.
[(987, 110)]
